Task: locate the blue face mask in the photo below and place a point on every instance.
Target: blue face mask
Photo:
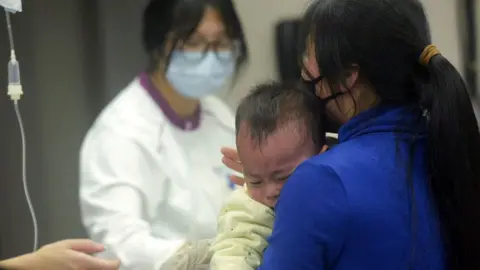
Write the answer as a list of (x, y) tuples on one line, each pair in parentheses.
[(197, 74)]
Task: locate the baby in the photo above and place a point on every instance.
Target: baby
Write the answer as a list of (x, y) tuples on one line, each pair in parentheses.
[(278, 126)]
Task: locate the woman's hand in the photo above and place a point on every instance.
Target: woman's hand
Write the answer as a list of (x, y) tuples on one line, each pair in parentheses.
[(63, 255), (73, 254), (231, 160)]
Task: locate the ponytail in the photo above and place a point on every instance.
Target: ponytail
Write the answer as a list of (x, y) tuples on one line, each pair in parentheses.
[(454, 160)]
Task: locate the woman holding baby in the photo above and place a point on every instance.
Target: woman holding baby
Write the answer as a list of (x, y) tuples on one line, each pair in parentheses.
[(397, 192)]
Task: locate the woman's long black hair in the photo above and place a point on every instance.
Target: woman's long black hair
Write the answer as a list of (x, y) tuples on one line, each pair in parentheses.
[(384, 39)]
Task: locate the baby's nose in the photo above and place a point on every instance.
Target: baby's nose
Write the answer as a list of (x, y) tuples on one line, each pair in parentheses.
[(272, 200)]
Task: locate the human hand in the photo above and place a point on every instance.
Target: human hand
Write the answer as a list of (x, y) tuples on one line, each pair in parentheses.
[(191, 256), (70, 254), (232, 161)]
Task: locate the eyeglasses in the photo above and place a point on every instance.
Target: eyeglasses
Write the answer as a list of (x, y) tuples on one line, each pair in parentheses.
[(224, 49)]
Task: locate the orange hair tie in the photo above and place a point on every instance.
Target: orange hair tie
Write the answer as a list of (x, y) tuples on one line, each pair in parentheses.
[(427, 54)]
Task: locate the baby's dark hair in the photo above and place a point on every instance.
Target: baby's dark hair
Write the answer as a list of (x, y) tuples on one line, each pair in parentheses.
[(270, 105)]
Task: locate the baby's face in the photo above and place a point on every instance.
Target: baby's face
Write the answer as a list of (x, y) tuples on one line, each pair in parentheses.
[(267, 167)]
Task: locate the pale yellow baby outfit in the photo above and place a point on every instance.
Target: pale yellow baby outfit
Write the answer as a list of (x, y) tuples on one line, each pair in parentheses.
[(243, 228)]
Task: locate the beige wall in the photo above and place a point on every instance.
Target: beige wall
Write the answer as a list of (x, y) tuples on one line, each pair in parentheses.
[(259, 19), (444, 25)]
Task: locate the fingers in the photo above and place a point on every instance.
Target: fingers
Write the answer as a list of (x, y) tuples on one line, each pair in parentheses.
[(237, 180), (232, 161), (324, 148), (234, 165), (85, 261), (82, 245), (230, 153)]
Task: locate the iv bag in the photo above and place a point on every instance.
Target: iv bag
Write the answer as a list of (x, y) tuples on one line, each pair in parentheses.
[(12, 5)]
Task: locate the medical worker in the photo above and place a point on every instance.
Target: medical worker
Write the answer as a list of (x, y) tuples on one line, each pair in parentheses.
[(402, 188), (151, 178)]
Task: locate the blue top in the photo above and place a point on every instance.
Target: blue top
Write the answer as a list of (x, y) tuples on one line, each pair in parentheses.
[(352, 208)]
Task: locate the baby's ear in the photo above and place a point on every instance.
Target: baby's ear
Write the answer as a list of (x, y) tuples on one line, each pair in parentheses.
[(324, 148)]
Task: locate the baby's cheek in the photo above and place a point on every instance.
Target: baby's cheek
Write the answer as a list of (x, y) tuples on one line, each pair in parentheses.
[(256, 194)]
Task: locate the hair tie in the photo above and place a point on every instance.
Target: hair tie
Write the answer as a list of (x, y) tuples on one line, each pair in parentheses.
[(427, 54)]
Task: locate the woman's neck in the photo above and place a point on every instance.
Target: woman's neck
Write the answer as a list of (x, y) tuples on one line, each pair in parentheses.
[(182, 106), (360, 100)]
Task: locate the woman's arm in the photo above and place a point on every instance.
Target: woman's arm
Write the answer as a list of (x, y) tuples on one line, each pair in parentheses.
[(113, 196), (62, 255), (310, 223), (18, 263)]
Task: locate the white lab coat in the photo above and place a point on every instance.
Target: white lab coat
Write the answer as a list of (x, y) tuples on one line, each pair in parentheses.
[(146, 187)]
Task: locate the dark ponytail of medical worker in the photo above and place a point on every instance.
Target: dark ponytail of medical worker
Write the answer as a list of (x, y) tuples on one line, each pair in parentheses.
[(388, 42)]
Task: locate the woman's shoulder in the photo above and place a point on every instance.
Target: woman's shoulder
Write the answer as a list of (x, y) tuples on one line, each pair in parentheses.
[(131, 111), (314, 180), (328, 174), (363, 153), (373, 169), (315, 199), (335, 155), (124, 123), (217, 108)]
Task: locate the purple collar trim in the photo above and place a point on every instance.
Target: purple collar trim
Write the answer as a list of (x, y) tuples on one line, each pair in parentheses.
[(188, 123)]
